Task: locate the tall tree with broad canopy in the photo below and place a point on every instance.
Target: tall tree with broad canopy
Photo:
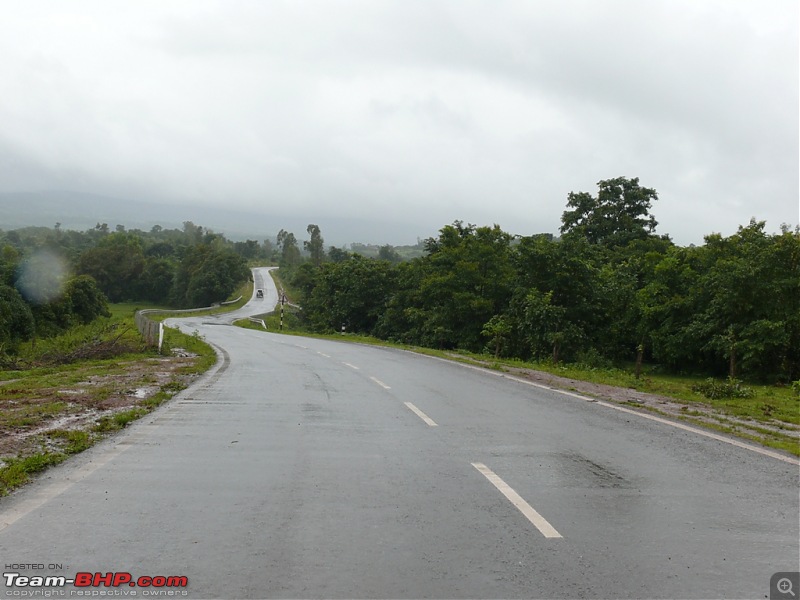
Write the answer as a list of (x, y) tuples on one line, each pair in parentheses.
[(467, 279), (116, 264), (618, 215), (316, 245), (353, 292), (290, 253), (16, 319)]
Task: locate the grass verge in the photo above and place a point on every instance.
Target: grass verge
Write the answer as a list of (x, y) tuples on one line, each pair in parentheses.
[(771, 416), (65, 394), (242, 295)]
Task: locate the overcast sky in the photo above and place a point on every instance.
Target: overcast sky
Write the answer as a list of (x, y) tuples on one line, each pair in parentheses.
[(411, 114)]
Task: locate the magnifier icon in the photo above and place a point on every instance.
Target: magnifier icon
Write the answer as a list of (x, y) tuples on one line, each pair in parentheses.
[(785, 587)]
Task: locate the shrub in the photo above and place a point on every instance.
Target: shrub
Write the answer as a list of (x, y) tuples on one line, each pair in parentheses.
[(592, 359), (731, 388)]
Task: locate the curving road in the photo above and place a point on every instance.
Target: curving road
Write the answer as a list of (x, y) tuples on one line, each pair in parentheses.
[(303, 468)]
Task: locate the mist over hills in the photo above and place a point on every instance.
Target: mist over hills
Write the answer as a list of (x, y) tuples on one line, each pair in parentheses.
[(81, 211)]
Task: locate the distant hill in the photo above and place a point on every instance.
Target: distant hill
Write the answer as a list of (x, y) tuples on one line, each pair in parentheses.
[(75, 211), (81, 211)]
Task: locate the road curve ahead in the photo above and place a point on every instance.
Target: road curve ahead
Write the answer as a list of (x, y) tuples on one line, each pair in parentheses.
[(302, 468)]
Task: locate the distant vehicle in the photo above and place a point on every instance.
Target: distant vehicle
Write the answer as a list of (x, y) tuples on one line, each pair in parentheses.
[(259, 293)]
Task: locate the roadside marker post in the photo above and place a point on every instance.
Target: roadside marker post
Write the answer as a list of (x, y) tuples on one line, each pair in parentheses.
[(283, 301)]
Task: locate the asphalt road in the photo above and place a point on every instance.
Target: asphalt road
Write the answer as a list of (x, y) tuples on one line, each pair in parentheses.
[(304, 468)]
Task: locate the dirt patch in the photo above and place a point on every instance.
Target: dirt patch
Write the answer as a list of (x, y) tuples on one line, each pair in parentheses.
[(697, 411), (29, 413)]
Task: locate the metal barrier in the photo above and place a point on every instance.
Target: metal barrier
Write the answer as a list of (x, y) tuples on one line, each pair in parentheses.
[(153, 331), (258, 321)]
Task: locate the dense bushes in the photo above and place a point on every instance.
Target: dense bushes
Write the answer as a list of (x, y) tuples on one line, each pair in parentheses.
[(611, 291), (41, 296)]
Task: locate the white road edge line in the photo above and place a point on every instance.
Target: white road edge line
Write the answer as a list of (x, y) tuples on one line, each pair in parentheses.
[(351, 366), (708, 434), (64, 480), (526, 509), (421, 415), (380, 383)]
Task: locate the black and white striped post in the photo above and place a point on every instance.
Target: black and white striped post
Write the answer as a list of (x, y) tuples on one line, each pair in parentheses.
[(283, 301)]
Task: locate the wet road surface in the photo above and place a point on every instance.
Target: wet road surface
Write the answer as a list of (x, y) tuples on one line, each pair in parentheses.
[(302, 468)]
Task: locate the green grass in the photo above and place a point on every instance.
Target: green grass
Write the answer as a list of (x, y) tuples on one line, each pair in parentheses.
[(248, 324), (767, 404), (17, 471), (122, 310), (74, 441), (777, 406), (279, 282), (119, 420), (29, 415), (28, 383), (245, 291), (38, 379), (103, 338), (207, 358)]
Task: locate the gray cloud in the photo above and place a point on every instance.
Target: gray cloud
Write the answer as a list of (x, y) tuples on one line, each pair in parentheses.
[(408, 113)]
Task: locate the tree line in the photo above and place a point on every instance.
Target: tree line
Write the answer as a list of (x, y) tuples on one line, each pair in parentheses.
[(608, 290), (51, 279)]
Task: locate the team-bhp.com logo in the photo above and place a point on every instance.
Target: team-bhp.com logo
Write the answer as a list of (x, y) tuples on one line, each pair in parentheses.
[(156, 585)]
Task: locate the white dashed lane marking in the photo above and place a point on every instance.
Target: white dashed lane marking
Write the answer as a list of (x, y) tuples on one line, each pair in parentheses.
[(380, 383), (421, 415), (526, 509)]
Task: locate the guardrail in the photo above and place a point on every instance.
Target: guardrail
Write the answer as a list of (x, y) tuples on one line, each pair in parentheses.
[(153, 331), (258, 321)]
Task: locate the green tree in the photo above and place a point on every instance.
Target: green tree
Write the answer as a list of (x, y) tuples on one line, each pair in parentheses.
[(316, 245), (404, 319), (157, 279), (290, 253), (9, 262), (619, 214), (560, 281), (546, 327), (497, 329), (304, 279), (669, 303), (268, 250), (16, 319), (625, 313), (206, 274), (353, 292), (116, 264), (338, 254), (748, 306), (249, 249), (160, 250), (86, 300), (193, 233), (387, 253), (467, 278)]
